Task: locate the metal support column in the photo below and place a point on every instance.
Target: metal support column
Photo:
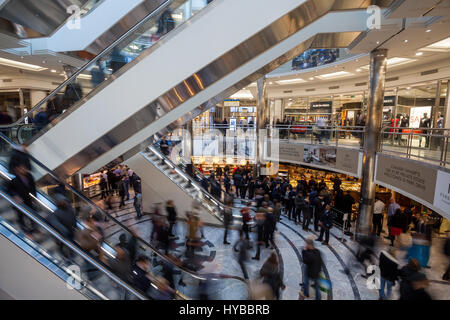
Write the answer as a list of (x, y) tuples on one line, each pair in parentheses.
[(371, 140), (447, 107), (260, 123)]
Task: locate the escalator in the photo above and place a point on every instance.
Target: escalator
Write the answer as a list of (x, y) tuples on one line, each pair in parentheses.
[(42, 17), (161, 88), (96, 274), (165, 180)]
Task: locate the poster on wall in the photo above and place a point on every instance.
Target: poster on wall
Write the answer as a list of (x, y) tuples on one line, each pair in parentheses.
[(416, 114), (414, 178), (442, 193), (291, 152), (348, 160)]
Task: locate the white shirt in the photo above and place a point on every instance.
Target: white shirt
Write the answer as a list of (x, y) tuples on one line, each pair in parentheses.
[(378, 207)]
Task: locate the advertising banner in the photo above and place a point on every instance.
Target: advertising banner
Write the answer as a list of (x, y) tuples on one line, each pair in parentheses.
[(348, 160), (442, 193), (414, 178)]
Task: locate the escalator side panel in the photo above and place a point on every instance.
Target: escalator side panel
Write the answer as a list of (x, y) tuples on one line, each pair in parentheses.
[(23, 277), (156, 187)]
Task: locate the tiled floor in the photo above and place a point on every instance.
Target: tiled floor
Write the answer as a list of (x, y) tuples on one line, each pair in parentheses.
[(218, 258)]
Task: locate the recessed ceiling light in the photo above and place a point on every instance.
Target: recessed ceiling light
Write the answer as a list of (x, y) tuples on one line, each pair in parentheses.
[(405, 40), (311, 78), (378, 42), (44, 61), (290, 81), (408, 88), (419, 53), (429, 30), (53, 71), (271, 82), (21, 65), (358, 70), (334, 75)]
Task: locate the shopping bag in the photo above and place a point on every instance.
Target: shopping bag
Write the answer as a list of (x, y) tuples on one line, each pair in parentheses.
[(324, 283)]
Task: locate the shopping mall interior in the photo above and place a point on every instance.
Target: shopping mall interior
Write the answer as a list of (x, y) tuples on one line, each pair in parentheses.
[(159, 150)]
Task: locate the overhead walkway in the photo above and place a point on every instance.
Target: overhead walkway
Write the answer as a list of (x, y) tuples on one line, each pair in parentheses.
[(163, 87)]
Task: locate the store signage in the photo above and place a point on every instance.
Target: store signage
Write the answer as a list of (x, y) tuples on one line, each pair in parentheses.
[(442, 193), (411, 177), (323, 104), (231, 103), (389, 101), (416, 114)]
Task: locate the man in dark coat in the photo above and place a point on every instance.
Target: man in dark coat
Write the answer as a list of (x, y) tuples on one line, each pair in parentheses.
[(312, 261)]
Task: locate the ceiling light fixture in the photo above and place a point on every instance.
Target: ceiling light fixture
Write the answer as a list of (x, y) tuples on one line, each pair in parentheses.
[(53, 71), (405, 41), (440, 46), (429, 30), (21, 65), (242, 94), (334, 75), (311, 78), (419, 54), (291, 81), (358, 70)]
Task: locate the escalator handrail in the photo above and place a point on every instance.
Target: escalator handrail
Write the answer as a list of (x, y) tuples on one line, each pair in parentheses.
[(123, 227), (88, 64), (155, 150), (179, 184), (72, 246)]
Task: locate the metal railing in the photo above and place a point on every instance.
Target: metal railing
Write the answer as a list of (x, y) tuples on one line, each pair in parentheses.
[(71, 246), (144, 245), (429, 144)]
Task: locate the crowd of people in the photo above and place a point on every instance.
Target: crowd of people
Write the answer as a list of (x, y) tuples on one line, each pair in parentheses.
[(315, 207), (310, 204)]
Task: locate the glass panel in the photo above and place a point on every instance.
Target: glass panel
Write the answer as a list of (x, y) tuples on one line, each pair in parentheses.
[(99, 71), (109, 242)]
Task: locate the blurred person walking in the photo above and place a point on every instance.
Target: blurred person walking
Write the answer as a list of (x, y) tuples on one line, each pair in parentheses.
[(171, 216), (389, 271), (271, 274), (312, 265)]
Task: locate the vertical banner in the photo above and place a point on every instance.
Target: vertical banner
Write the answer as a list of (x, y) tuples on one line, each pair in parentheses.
[(442, 192)]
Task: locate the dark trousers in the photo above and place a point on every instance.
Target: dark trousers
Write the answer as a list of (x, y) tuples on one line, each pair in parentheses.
[(122, 200), (297, 213), (104, 193), (225, 234), (171, 225), (377, 222), (316, 219), (291, 210), (245, 230), (325, 231), (244, 269), (258, 250), (306, 220), (243, 192)]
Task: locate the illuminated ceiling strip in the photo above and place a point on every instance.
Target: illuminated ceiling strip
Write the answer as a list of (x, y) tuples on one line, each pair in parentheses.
[(21, 65)]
